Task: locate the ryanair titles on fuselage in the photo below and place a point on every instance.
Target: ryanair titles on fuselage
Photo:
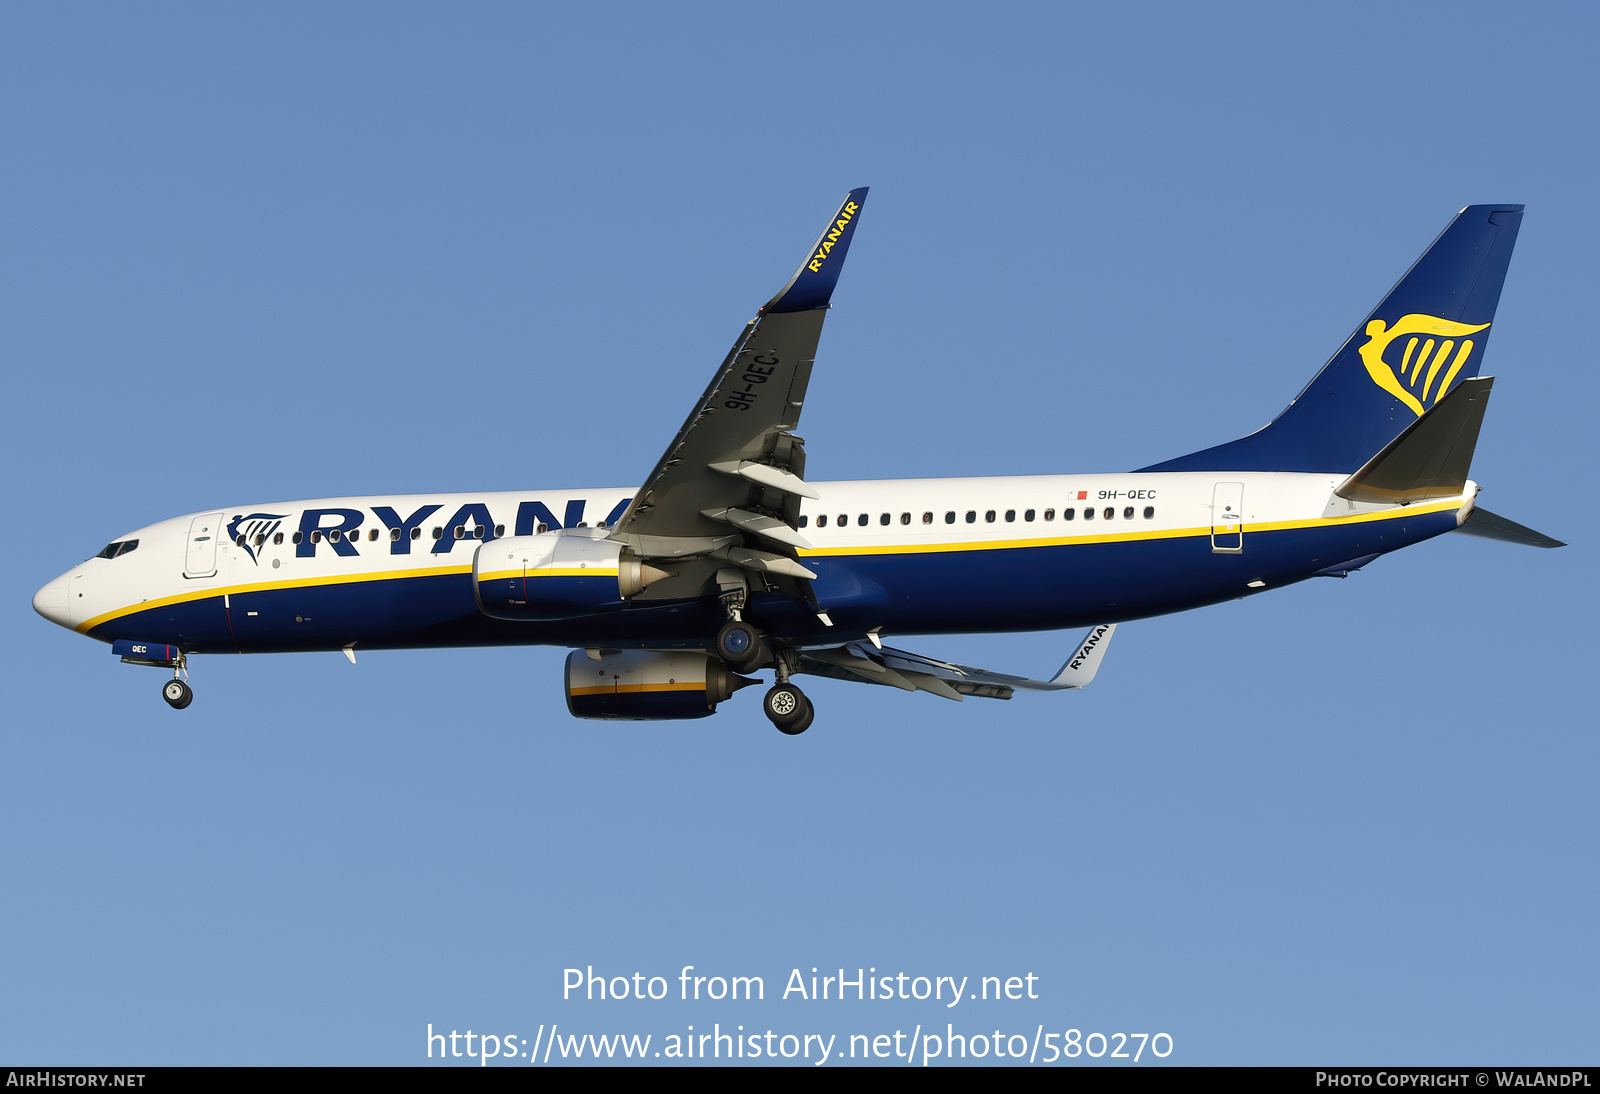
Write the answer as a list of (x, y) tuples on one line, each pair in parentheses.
[(339, 527)]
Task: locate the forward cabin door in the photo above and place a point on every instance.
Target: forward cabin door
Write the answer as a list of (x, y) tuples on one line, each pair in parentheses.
[(1227, 518), (200, 560)]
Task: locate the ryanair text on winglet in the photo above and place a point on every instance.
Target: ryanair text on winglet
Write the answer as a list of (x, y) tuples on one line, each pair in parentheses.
[(846, 215)]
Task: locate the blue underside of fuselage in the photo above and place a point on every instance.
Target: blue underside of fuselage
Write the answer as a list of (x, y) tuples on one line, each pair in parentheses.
[(1014, 589)]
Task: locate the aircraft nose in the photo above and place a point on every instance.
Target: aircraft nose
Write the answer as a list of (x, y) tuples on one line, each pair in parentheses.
[(51, 602)]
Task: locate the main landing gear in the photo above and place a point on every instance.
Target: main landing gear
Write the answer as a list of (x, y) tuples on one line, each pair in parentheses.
[(788, 709), (785, 705), (740, 646)]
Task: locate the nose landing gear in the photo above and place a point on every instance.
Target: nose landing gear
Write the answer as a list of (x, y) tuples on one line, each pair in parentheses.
[(177, 693)]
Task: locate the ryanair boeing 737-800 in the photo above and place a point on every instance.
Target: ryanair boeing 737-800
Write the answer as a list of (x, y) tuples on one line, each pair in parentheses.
[(727, 560)]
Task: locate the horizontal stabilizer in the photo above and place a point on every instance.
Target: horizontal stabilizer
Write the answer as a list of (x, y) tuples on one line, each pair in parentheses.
[(1489, 525), (1431, 458)]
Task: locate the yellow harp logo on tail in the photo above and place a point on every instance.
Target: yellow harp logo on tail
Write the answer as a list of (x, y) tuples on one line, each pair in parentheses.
[(1425, 346)]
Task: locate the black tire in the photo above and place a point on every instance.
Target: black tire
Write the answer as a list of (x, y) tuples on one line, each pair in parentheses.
[(177, 694), (739, 645), (805, 723), (787, 707)]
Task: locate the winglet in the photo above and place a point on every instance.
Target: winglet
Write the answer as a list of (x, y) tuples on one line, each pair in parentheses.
[(812, 284), (1082, 665)]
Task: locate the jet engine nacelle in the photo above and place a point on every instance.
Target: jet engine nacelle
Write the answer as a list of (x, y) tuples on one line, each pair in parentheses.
[(640, 686), (557, 575)]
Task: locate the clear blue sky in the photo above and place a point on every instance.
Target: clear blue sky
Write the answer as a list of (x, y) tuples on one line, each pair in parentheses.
[(257, 252)]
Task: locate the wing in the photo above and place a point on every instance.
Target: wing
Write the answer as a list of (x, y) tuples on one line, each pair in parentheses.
[(732, 479), (859, 662)]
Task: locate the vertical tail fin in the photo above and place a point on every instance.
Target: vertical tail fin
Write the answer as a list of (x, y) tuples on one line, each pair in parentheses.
[(1428, 334)]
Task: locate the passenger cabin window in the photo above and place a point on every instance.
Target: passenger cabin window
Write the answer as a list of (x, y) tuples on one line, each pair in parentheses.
[(1028, 515), (1049, 514), (1088, 514), (950, 517), (277, 539), (804, 520), (822, 520), (295, 538), (927, 518), (394, 534), (1109, 513), (972, 516), (988, 516), (500, 529), (1066, 514), (238, 541), (438, 533), (883, 518), (1011, 516), (1127, 514), (416, 533), (1149, 512), (905, 518), (316, 536), (862, 520), (261, 538), (842, 519), (372, 536)]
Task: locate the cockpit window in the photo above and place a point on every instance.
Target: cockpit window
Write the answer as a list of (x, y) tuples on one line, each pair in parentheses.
[(120, 547)]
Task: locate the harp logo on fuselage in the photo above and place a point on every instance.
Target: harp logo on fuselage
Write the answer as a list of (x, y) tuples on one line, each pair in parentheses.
[(1417, 358)]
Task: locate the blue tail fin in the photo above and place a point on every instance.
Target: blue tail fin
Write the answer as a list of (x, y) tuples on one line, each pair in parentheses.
[(1427, 335)]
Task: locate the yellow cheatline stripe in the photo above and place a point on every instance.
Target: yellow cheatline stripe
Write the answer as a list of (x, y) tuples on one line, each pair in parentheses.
[(1128, 537), (634, 689), (893, 549), (550, 571), (265, 586)]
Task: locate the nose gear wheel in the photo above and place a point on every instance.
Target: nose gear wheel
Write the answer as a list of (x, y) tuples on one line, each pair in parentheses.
[(177, 693)]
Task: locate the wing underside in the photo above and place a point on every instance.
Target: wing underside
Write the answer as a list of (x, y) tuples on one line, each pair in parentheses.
[(864, 663), (723, 503)]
